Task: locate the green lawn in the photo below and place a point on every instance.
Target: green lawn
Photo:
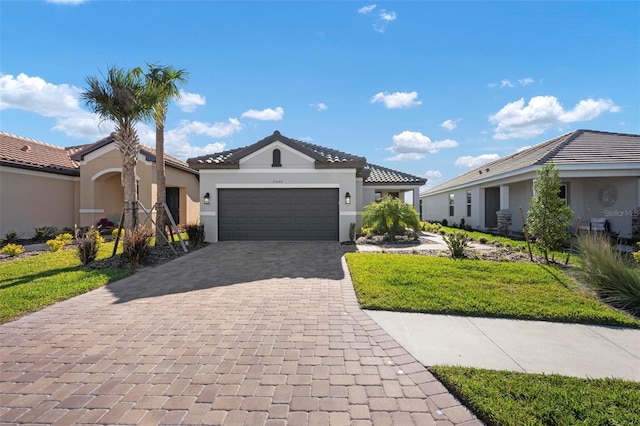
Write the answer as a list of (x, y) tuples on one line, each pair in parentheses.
[(507, 398), (29, 284), (441, 285)]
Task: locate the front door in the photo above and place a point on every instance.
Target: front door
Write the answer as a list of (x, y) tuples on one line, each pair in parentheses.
[(173, 202)]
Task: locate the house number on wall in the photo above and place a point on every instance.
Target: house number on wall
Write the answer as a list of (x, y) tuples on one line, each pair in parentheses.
[(277, 181)]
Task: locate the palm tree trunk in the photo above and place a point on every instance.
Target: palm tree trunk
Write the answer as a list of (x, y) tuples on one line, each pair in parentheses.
[(161, 185), (127, 142)]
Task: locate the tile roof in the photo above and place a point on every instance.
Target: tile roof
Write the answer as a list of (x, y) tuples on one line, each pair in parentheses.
[(150, 154), (16, 151), (580, 147), (383, 175), (323, 156)]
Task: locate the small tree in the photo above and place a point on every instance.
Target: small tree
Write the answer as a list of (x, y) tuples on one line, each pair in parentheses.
[(548, 217), (390, 216)]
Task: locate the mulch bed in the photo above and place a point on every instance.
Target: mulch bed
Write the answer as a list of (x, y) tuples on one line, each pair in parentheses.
[(157, 256)]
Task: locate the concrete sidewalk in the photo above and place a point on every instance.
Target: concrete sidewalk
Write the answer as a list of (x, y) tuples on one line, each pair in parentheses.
[(516, 345)]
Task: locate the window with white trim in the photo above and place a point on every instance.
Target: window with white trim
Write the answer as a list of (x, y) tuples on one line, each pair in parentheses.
[(468, 203), (452, 202)]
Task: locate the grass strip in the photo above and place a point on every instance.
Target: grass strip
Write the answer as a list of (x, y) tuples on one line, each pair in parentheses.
[(507, 398), (28, 285), (415, 283)]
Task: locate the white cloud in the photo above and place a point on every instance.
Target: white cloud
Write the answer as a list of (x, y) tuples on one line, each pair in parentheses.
[(450, 124), (306, 139), (508, 83), (267, 114), (72, 2), (188, 102), (387, 16), (515, 120), (381, 19), (320, 106), (433, 174), (60, 102), (177, 141), (409, 142), (406, 156), (523, 148), (471, 162), (397, 99), (366, 9)]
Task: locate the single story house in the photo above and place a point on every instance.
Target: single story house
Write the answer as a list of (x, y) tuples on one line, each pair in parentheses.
[(600, 173), (285, 189), (46, 185)]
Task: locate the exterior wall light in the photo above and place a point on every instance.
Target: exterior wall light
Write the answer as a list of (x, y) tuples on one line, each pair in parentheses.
[(207, 198), (347, 198)]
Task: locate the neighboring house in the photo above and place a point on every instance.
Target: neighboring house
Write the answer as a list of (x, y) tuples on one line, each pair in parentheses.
[(600, 175), (285, 189), (46, 185)]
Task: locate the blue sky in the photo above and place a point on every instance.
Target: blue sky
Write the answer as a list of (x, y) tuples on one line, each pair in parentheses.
[(429, 88)]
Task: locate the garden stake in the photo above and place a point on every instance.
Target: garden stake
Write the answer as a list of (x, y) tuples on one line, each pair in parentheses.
[(526, 234)]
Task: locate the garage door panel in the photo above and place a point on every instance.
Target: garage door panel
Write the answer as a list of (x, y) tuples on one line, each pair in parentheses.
[(278, 214)]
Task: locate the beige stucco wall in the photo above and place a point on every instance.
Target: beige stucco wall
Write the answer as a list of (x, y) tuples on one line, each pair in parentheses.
[(31, 199), (297, 171), (189, 193), (102, 195)]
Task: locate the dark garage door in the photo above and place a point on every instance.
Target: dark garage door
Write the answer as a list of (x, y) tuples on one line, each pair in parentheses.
[(278, 214)]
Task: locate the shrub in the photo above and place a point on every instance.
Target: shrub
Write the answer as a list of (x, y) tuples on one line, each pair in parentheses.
[(457, 243), (352, 232), (87, 249), (67, 230), (390, 216), (483, 240), (95, 234), (55, 244), (609, 273), (137, 245), (12, 249), (114, 233), (195, 233), (366, 231), (11, 236), (59, 241), (444, 222), (45, 233)]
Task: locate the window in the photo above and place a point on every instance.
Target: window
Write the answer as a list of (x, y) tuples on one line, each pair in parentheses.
[(420, 209), (468, 203), (563, 194), (452, 202), (394, 194), (378, 196), (276, 158)]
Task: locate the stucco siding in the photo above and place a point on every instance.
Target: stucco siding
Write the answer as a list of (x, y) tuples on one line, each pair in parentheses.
[(34, 199)]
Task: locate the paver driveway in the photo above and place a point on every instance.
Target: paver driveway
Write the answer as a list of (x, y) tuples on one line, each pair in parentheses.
[(236, 333)]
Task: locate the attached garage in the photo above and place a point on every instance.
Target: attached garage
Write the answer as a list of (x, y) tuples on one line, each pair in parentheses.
[(283, 189), (287, 214)]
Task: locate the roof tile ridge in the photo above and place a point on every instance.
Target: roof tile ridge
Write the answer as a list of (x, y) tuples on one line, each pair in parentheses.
[(564, 140), (25, 139)]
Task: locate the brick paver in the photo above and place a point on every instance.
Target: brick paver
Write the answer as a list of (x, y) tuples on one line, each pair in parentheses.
[(236, 333)]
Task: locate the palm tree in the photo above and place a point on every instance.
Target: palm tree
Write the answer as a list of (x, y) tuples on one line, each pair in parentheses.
[(124, 99), (165, 81)]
